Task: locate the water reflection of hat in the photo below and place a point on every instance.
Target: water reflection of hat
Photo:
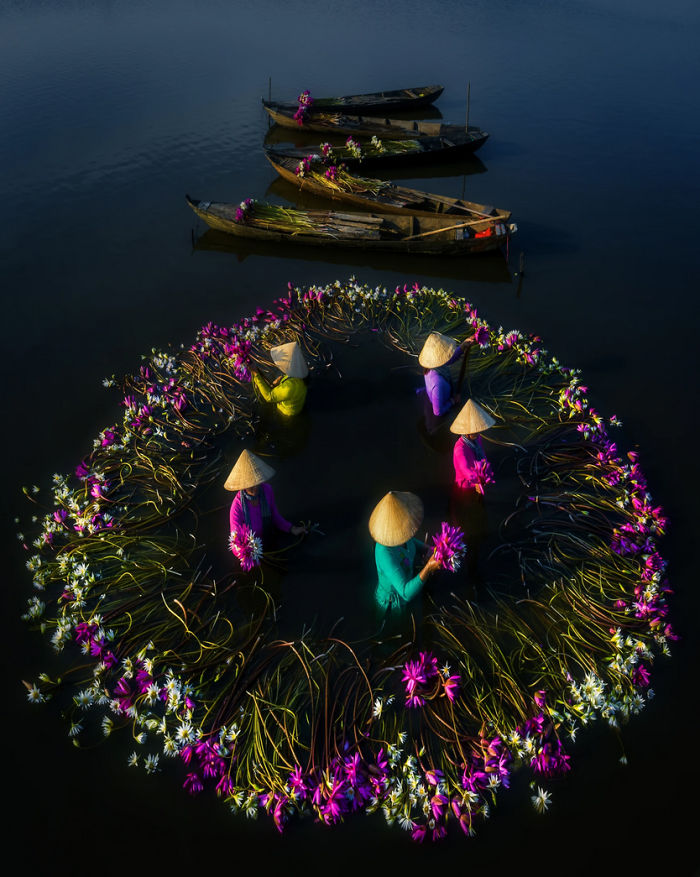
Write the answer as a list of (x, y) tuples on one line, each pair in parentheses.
[(471, 419), (437, 350), (396, 518), (248, 471), (289, 359)]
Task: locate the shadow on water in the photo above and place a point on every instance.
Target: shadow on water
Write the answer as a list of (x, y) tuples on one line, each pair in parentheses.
[(490, 267)]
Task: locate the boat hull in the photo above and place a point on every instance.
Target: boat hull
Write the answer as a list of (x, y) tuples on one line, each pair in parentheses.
[(359, 126), (376, 102), (427, 150), (391, 198), (453, 239)]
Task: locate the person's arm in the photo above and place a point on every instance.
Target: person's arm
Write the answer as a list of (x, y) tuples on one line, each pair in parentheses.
[(459, 351), (281, 523), (438, 392), (236, 519), (262, 386)]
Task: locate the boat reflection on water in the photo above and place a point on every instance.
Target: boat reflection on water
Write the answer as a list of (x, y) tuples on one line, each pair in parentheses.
[(489, 267)]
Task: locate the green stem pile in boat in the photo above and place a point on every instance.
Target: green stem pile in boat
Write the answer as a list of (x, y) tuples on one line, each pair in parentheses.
[(284, 219)]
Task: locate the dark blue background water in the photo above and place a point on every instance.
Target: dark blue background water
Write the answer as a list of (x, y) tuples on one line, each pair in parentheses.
[(110, 112)]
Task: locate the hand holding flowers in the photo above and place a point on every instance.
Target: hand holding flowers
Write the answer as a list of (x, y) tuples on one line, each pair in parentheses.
[(449, 547), (483, 475), (246, 546)]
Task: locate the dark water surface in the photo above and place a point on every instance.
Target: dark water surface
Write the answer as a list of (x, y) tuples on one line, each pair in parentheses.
[(110, 112)]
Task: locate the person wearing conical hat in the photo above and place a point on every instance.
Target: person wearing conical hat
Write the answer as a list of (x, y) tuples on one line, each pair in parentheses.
[(254, 502), (393, 525), (468, 452), (436, 356), (288, 390)]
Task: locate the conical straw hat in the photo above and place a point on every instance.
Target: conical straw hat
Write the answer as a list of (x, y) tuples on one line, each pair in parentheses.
[(248, 471), (289, 359), (396, 518), (437, 350), (471, 419)]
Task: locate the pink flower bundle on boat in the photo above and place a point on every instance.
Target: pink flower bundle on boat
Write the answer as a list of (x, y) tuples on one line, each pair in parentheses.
[(305, 100), (246, 546), (449, 547)]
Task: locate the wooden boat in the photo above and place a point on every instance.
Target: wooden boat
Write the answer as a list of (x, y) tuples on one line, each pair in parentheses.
[(406, 232), (388, 152), (377, 102), (380, 195), (362, 126)]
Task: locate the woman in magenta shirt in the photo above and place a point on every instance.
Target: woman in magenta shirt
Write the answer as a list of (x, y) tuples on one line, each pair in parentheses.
[(472, 471), (254, 503)]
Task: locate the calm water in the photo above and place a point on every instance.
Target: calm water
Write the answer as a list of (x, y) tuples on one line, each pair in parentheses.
[(110, 112)]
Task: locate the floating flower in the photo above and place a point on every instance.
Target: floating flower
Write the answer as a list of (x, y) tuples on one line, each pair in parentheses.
[(540, 800), (451, 687)]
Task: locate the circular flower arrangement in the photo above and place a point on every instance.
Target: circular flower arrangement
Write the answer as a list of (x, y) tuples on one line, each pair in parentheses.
[(316, 725)]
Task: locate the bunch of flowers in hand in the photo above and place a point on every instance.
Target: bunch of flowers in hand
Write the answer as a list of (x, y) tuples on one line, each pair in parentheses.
[(305, 100), (246, 546), (449, 547), (483, 475)]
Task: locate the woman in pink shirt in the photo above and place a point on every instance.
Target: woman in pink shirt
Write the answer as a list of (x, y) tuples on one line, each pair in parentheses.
[(472, 474), (472, 469), (254, 502)]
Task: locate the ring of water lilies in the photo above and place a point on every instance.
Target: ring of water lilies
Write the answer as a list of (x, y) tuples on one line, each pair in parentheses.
[(316, 725)]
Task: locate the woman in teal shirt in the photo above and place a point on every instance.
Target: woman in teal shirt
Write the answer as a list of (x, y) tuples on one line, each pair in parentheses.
[(393, 525)]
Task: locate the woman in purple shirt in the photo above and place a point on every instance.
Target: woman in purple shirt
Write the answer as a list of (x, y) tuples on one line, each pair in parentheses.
[(254, 502), (436, 357)]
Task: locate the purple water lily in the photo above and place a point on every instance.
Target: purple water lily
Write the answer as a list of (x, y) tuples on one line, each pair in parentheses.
[(193, 784), (449, 547)]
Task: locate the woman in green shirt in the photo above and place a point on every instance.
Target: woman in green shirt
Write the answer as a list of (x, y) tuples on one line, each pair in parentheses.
[(393, 525), (288, 391)]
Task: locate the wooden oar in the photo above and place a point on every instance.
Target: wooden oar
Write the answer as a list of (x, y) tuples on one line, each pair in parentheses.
[(424, 234)]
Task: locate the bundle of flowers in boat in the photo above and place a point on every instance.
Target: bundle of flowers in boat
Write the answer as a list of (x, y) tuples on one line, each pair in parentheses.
[(354, 150), (314, 724), (326, 168), (305, 101)]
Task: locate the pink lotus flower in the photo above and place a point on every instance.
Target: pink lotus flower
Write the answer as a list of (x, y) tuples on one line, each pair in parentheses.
[(246, 546), (193, 784), (483, 474), (451, 686), (449, 547)]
